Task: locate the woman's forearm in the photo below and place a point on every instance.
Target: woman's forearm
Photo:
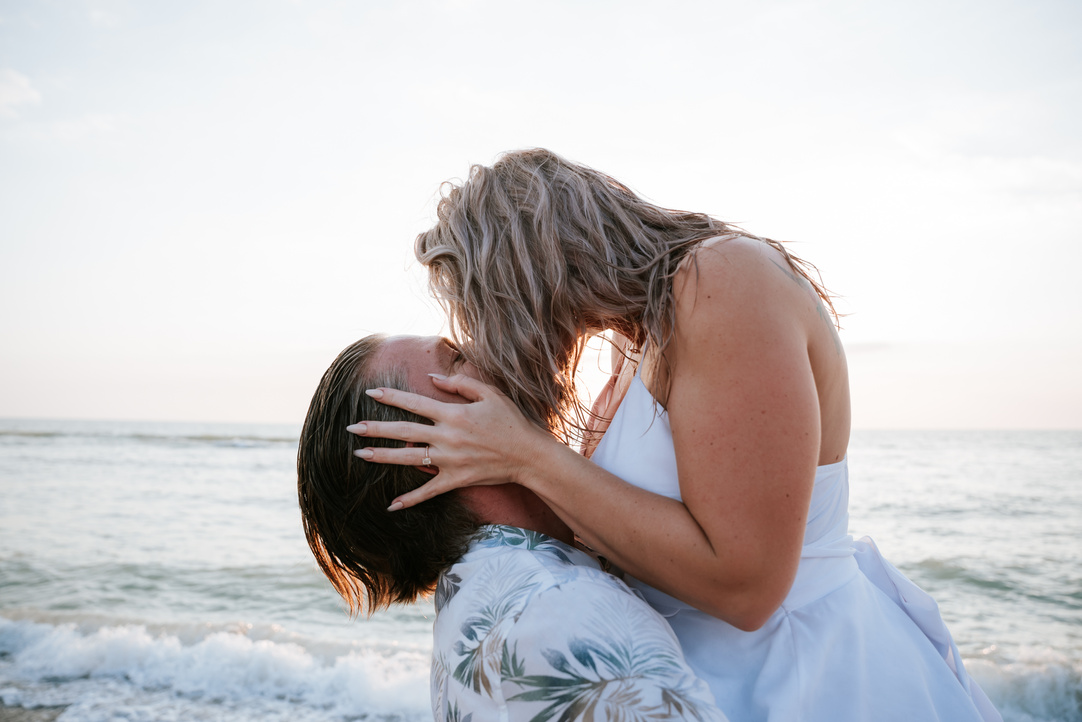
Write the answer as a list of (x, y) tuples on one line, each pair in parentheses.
[(658, 540)]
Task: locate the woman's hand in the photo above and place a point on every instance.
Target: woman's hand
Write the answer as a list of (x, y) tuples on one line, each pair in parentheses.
[(484, 441)]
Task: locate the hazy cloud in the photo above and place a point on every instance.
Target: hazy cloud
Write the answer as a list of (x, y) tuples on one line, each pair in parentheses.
[(80, 128), (15, 89)]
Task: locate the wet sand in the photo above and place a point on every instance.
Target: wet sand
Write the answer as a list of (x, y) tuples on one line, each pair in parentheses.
[(21, 714)]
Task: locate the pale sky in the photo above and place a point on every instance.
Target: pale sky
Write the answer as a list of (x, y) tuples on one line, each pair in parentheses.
[(202, 202)]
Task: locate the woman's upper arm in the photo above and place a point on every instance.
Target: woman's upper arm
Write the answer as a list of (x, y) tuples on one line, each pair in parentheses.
[(744, 409)]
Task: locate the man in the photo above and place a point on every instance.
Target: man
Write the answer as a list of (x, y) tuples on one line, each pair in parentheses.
[(527, 626)]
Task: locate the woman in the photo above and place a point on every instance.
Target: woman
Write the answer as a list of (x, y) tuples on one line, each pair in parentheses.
[(720, 484)]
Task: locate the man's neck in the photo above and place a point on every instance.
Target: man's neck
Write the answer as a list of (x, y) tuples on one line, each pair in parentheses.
[(515, 505)]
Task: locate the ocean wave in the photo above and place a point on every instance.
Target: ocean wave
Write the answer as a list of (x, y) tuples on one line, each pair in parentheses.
[(227, 674), (237, 440), (43, 664), (1063, 592), (1037, 685), (954, 570)]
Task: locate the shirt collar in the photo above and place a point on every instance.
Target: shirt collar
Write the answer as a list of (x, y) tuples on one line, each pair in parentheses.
[(502, 536)]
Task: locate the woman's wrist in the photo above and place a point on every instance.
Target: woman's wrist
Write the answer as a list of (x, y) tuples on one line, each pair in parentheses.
[(540, 454)]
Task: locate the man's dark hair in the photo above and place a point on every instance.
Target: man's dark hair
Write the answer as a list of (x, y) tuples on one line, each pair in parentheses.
[(371, 556)]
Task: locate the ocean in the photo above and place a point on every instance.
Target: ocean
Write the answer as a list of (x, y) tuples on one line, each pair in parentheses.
[(158, 571)]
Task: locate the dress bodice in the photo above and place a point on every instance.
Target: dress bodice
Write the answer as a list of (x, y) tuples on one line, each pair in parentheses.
[(638, 448), (853, 634)]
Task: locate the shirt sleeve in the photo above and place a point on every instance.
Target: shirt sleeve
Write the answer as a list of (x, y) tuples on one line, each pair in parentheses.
[(590, 649)]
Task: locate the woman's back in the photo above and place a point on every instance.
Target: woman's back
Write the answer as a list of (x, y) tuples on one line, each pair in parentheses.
[(803, 310)]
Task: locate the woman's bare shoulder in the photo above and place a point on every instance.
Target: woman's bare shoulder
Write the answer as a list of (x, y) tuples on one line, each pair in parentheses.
[(730, 271)]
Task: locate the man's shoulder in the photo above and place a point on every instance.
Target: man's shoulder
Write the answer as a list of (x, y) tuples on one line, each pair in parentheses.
[(530, 622)]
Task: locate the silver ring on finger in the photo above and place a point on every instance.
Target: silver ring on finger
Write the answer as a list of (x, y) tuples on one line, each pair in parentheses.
[(427, 461)]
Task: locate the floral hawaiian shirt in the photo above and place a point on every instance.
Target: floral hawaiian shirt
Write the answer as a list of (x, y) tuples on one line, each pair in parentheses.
[(528, 628)]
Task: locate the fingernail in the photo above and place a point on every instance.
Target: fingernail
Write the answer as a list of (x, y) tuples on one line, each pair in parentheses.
[(364, 453), (357, 428), (375, 393), (441, 377), (396, 506)]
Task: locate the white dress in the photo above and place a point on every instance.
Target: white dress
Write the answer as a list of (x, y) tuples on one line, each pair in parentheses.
[(854, 640)]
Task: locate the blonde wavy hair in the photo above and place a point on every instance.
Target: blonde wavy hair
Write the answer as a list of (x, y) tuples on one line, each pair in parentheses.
[(532, 256)]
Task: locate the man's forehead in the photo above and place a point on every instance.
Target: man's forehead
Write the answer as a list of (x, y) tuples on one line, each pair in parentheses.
[(415, 357), (396, 352)]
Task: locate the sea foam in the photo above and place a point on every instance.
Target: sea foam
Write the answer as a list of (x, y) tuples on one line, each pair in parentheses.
[(1037, 685), (45, 664)]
